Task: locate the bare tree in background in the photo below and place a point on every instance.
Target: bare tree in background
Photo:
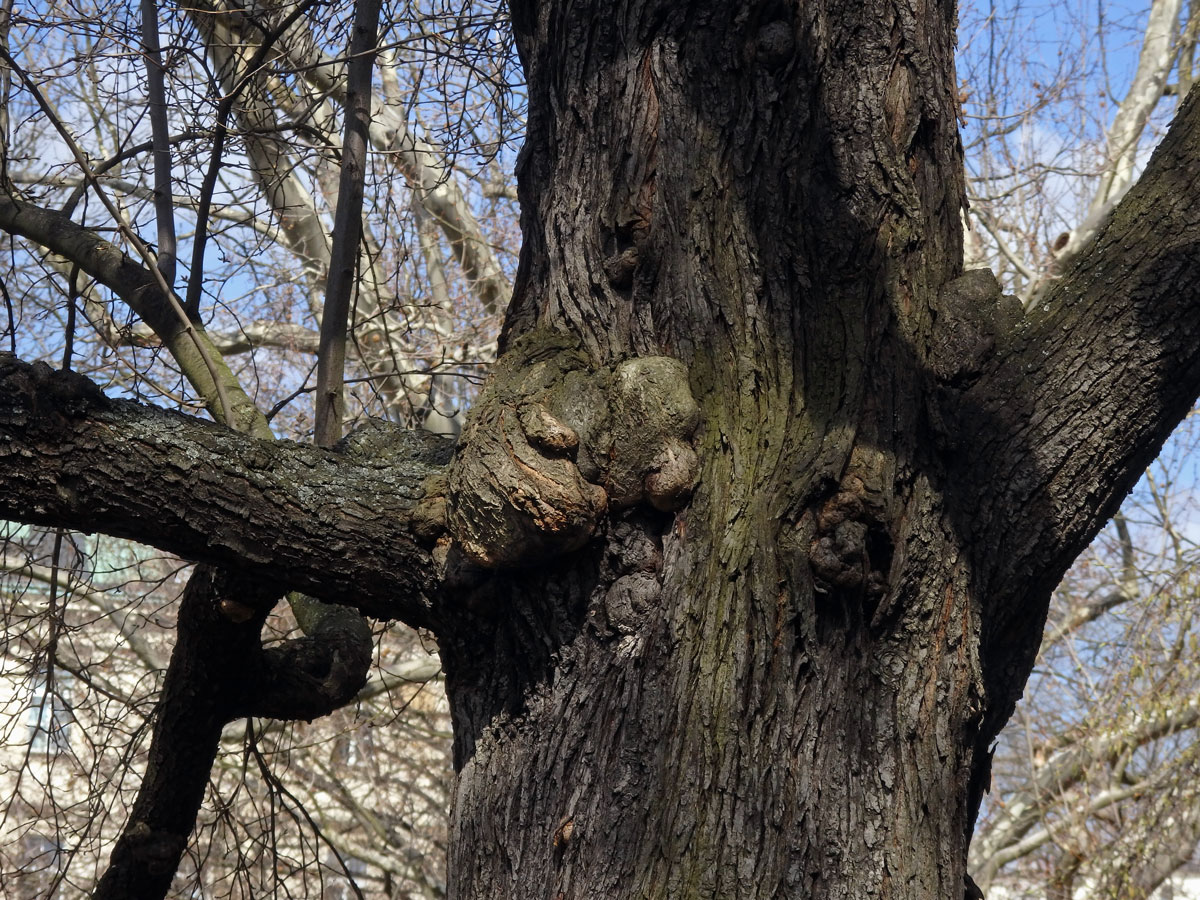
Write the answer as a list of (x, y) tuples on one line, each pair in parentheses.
[(1051, 147), (1094, 785)]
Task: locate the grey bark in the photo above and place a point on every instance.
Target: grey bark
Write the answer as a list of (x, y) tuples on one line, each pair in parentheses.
[(204, 492)]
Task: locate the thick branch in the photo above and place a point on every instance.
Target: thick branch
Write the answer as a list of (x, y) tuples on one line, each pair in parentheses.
[(348, 527), (264, 333), (311, 676), (1081, 397), (208, 672)]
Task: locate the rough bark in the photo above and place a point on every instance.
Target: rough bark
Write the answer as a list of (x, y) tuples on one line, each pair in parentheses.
[(208, 668), (1055, 430), (781, 680), (219, 672), (789, 687), (352, 527), (775, 692)]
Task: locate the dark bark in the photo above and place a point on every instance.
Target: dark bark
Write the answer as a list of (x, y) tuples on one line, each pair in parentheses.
[(207, 670), (789, 688), (779, 678), (219, 672), (345, 253), (1057, 428), (352, 527), (775, 692)]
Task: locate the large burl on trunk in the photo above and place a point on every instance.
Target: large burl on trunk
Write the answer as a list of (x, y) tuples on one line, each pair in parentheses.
[(784, 681)]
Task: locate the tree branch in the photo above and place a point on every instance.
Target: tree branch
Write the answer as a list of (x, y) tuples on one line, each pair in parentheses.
[(208, 673), (311, 676), (1065, 767), (1077, 402), (70, 456), (141, 290), (156, 92), (202, 348), (1159, 49), (420, 162), (347, 226)]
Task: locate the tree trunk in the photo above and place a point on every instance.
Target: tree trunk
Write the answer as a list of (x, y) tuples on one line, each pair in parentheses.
[(744, 556), (777, 691)]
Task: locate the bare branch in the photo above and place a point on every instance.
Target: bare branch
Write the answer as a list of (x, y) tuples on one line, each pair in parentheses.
[(141, 288), (75, 589), (423, 167), (347, 225), (1006, 838), (156, 102), (223, 409), (1154, 64)]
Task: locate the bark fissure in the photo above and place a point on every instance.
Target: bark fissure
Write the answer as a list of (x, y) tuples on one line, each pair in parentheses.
[(71, 456), (784, 683), (807, 660)]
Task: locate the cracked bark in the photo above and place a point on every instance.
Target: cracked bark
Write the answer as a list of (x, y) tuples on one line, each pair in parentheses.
[(791, 685), (787, 686), (69, 454)]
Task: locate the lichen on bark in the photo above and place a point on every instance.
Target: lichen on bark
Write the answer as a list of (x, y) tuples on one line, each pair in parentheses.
[(555, 442)]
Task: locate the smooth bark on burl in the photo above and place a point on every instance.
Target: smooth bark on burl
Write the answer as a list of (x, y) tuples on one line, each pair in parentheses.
[(554, 443)]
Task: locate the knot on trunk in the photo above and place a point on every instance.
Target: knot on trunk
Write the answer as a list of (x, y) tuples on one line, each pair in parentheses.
[(554, 443), (46, 399), (851, 549), (972, 315)]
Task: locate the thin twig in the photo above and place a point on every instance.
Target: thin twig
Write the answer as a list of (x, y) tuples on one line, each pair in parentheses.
[(220, 133)]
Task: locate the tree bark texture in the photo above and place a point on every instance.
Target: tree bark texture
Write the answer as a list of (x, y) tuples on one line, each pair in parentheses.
[(352, 526), (752, 535), (208, 671), (789, 687)]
